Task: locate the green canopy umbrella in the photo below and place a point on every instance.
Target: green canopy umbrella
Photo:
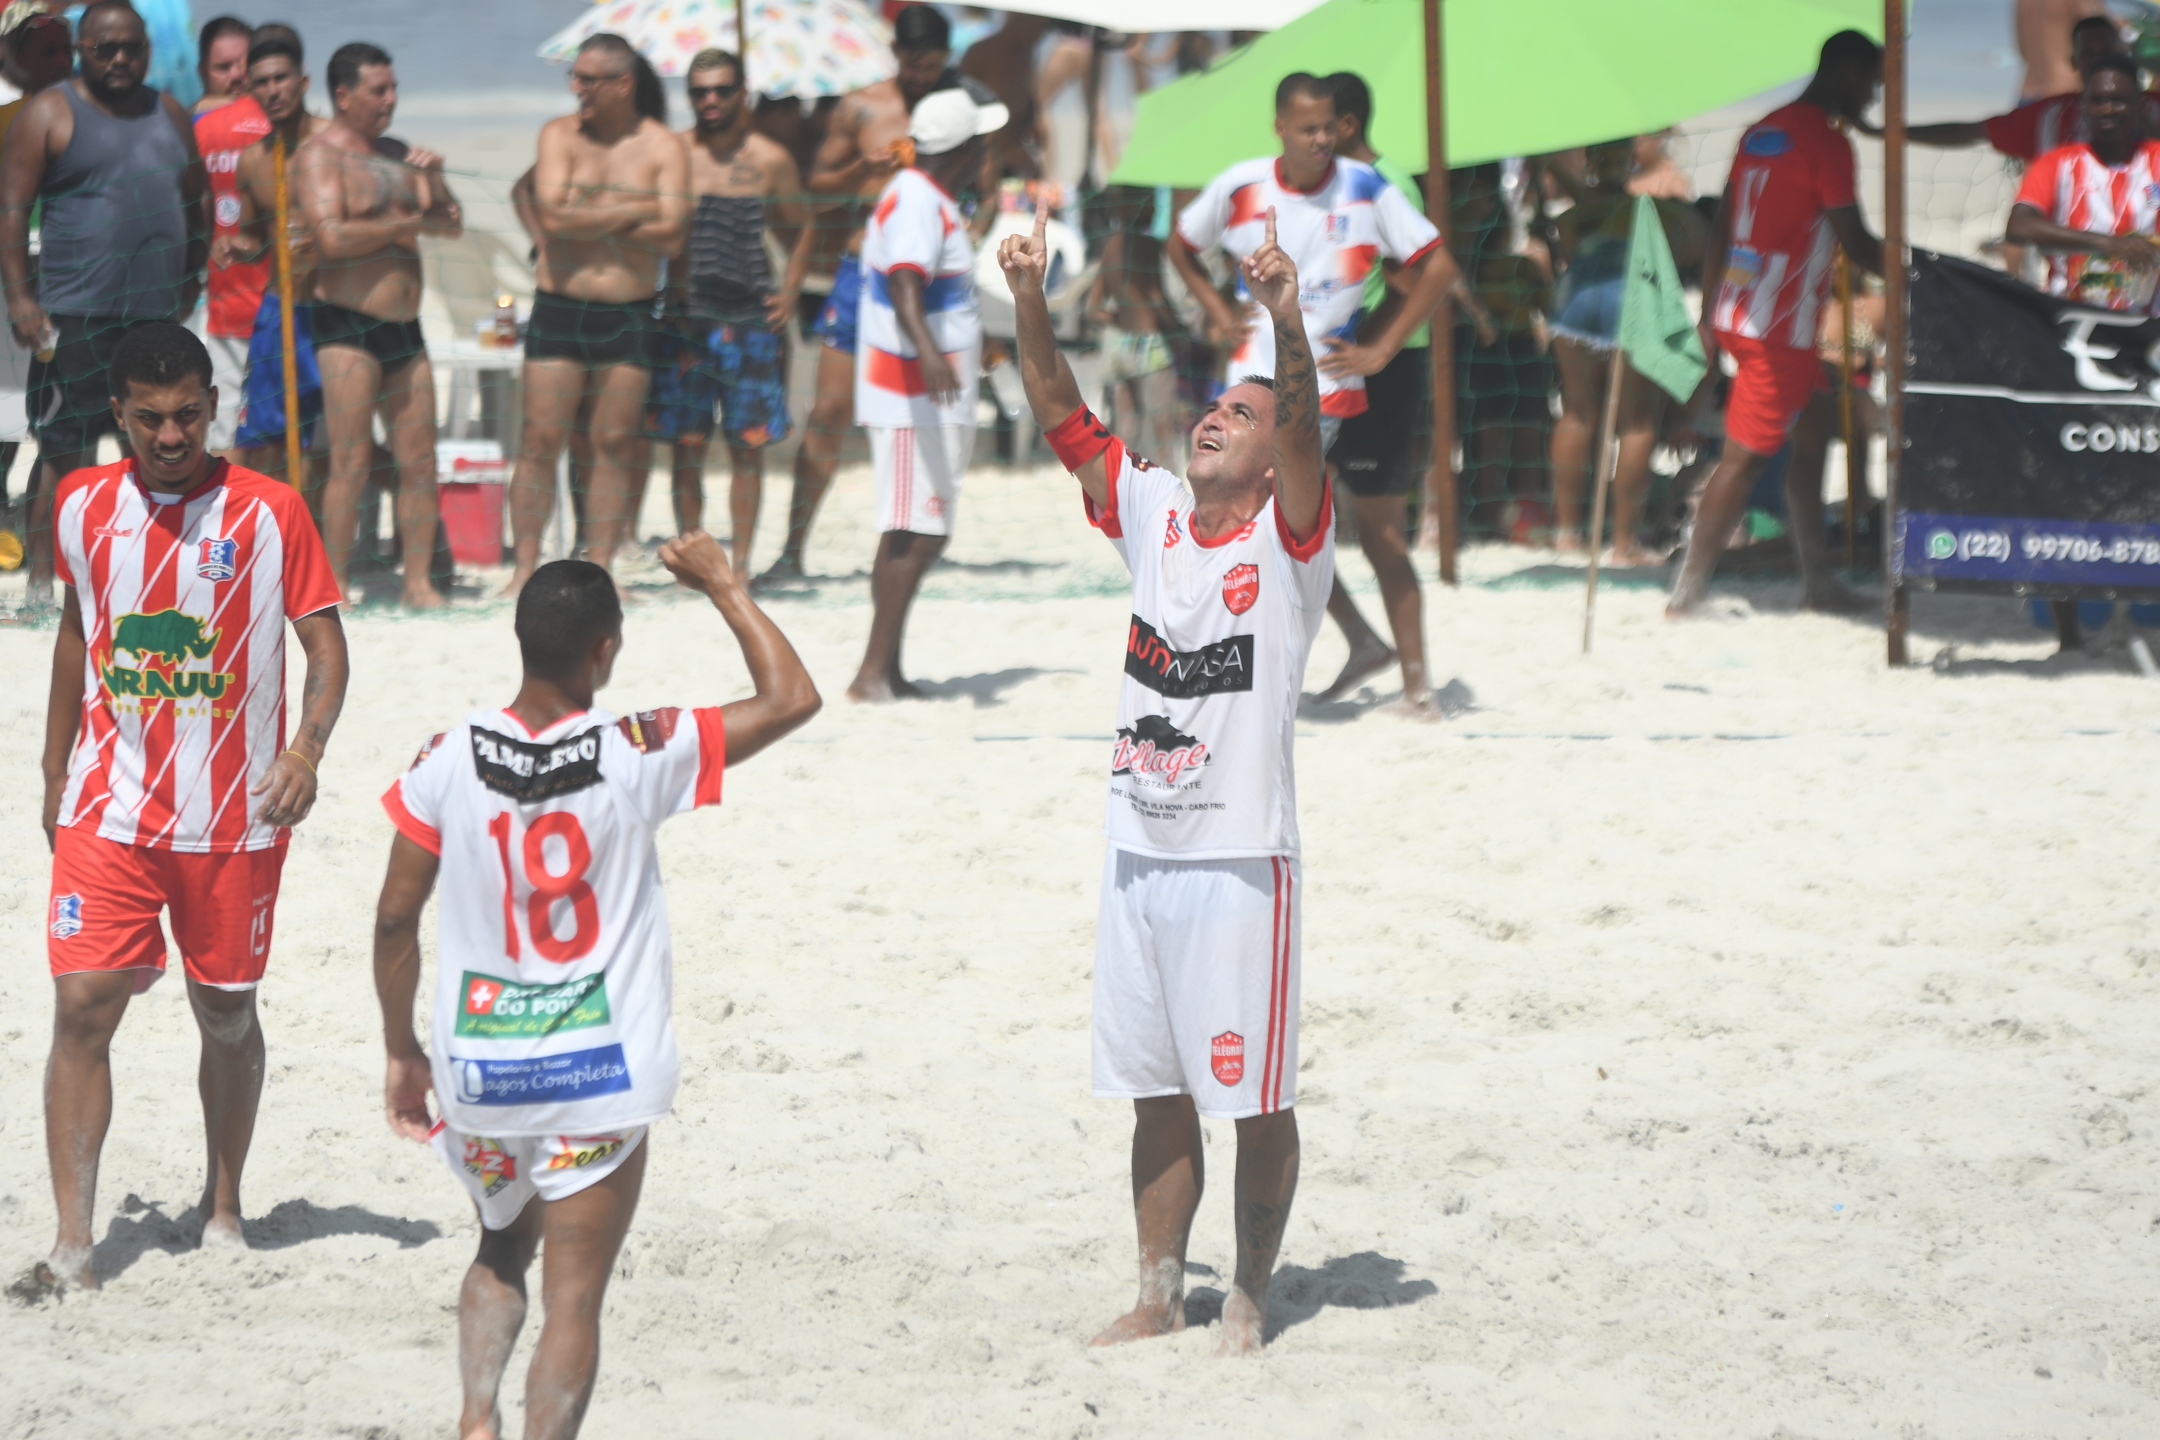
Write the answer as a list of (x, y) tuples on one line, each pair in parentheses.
[(1522, 78)]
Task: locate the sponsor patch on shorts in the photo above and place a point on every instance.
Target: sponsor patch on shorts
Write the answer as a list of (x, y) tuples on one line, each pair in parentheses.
[(487, 1161), (577, 1151), (66, 916), (542, 1080), (1226, 1056), (497, 1009)]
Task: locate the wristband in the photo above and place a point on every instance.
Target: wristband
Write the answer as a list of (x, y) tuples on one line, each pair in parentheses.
[(305, 761), (1078, 438)]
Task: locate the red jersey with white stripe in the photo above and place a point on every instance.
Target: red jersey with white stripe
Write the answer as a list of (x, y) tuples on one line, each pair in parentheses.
[(184, 602), (2039, 126), (915, 226), (554, 978), (235, 291), (1791, 168), (1335, 234), (2075, 188), (1202, 765)]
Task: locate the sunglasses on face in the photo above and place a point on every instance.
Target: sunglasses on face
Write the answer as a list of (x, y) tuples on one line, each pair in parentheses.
[(714, 92), (117, 49), (581, 81)]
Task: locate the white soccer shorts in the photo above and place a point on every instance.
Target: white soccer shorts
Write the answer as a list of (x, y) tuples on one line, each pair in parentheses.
[(503, 1173), (228, 371), (1196, 982), (918, 475)]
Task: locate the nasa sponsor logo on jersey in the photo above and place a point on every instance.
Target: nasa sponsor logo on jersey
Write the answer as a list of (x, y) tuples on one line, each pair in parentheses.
[(1217, 668), (528, 770), (1241, 587), (1226, 1057), (649, 730), (1766, 141), (216, 558), (542, 1080), (498, 1009), (487, 1162), (66, 916), (1156, 751), (581, 1150)]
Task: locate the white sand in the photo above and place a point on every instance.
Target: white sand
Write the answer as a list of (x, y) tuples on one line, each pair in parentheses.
[(1835, 937)]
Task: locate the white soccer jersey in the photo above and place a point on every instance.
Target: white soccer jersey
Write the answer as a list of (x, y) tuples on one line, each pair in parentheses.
[(1221, 627), (554, 983), (1335, 235), (915, 226)]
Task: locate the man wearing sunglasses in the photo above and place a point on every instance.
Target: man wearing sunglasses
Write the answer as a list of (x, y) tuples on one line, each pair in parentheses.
[(724, 344), (126, 233)]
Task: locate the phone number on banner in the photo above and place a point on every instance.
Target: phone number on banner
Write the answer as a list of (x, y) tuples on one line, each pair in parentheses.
[(1976, 547)]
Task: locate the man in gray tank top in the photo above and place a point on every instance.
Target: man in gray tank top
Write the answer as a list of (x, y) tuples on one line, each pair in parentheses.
[(725, 342), (125, 235)]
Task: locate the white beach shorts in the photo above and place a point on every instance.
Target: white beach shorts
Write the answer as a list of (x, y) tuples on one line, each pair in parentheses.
[(1196, 982), (502, 1173), (918, 475), (228, 372)]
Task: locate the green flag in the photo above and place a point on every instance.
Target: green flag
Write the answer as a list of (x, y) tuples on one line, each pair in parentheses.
[(1655, 328)]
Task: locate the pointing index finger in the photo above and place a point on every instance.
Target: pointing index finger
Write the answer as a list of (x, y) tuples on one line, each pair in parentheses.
[(1270, 232), (1042, 218)]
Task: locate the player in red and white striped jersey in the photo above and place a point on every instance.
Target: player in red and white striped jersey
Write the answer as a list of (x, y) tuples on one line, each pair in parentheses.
[(1197, 941), (2094, 206), (553, 1034), (170, 782)]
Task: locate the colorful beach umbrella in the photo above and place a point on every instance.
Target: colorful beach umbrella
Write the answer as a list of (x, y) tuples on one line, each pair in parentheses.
[(1521, 79), (809, 48)]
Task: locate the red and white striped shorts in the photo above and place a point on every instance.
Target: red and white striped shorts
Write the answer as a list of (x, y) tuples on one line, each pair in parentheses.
[(1196, 981)]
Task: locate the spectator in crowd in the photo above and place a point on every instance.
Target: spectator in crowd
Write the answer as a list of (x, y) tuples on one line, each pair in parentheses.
[(2037, 126), (1655, 173), (1592, 248), (1381, 453), (113, 164), (2041, 26), (221, 49), (278, 84), (1333, 216), (865, 147), (611, 191), (726, 341), (226, 123), (36, 53), (1140, 329), (1503, 359), (1794, 173), (367, 199)]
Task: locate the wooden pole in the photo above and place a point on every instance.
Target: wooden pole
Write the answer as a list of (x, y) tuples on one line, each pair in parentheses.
[(1897, 608), (1853, 458), (295, 476), (1608, 459), (1441, 521), (742, 51)]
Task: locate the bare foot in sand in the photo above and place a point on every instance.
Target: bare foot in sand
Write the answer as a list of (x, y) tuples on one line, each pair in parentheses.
[(1143, 1323), (1634, 557), (222, 1232), (1369, 658), (782, 571), (1243, 1324), (68, 1267), (518, 577), (422, 597), (1568, 543), (881, 691)]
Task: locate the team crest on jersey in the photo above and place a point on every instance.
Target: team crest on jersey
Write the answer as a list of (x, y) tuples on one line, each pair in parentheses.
[(215, 562), (1338, 229), (488, 1163), (1172, 533), (531, 770), (66, 916), (649, 730), (1241, 587), (1226, 1057), (1767, 140)]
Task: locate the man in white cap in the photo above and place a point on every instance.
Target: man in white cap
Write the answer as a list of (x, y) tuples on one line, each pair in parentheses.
[(917, 361)]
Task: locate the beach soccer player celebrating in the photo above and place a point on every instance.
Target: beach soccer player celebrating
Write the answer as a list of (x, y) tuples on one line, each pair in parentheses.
[(1337, 219), (1788, 206), (918, 365), (553, 1045), (170, 782), (1197, 940)]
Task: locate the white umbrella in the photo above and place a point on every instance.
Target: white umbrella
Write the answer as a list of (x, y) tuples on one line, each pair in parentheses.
[(797, 47)]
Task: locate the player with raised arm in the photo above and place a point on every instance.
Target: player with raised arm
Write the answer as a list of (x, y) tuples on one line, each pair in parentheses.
[(554, 1046), (1197, 939), (170, 781)]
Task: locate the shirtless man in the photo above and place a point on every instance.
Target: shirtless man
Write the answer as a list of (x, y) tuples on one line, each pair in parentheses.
[(860, 155), (611, 200), (278, 84), (367, 200), (727, 322), (2043, 29)]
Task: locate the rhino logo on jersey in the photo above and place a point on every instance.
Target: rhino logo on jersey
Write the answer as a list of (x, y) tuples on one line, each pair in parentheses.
[(172, 635)]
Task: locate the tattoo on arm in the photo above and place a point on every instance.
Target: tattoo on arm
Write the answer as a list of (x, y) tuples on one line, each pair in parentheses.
[(1297, 392)]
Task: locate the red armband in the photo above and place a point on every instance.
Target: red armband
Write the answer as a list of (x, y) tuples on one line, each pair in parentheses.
[(1078, 438)]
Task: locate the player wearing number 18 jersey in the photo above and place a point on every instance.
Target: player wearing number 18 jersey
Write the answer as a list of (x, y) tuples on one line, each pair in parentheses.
[(1196, 945), (553, 1042)]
